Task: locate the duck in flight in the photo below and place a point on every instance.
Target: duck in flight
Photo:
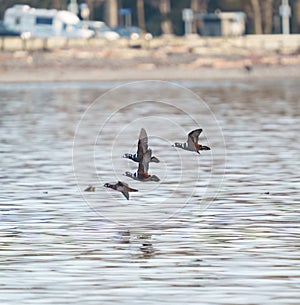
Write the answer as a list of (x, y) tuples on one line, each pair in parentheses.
[(137, 156), (121, 187), (144, 155), (142, 172), (192, 142)]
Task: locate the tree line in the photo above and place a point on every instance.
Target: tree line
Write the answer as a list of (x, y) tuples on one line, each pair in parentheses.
[(165, 16)]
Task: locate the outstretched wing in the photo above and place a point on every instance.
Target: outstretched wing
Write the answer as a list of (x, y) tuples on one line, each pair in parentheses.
[(144, 162), (142, 144), (193, 137), (126, 195)]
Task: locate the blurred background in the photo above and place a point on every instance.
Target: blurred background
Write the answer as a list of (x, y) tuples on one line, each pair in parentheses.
[(165, 17), (147, 39)]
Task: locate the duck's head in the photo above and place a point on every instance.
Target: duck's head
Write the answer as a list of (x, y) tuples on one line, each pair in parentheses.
[(177, 145), (128, 174)]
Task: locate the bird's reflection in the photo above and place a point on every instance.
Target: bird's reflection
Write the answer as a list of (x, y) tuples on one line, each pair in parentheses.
[(140, 242), (147, 250)]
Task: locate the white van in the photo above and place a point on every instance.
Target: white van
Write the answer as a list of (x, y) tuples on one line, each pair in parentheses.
[(44, 23)]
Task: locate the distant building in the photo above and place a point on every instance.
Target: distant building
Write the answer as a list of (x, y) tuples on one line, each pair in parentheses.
[(222, 24)]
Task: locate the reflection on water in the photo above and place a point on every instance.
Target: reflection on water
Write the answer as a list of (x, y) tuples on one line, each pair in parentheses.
[(244, 249)]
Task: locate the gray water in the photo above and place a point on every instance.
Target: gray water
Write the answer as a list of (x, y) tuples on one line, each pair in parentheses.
[(220, 228)]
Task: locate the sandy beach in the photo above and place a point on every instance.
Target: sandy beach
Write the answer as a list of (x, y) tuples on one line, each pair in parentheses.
[(71, 74)]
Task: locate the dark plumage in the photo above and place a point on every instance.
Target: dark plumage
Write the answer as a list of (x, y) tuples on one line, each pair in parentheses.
[(144, 157), (136, 157), (122, 187)]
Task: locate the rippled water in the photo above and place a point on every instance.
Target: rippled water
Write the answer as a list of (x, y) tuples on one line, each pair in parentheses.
[(198, 237)]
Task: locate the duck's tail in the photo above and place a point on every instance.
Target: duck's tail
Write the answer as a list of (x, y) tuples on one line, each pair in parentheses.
[(154, 159)]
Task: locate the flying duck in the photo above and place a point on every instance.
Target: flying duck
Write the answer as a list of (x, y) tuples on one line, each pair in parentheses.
[(144, 156), (121, 187), (192, 142), (137, 156), (142, 172)]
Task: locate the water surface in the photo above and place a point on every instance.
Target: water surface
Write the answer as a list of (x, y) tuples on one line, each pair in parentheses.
[(199, 237)]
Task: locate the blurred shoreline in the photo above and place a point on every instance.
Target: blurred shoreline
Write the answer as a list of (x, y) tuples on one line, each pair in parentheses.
[(165, 60), (171, 74)]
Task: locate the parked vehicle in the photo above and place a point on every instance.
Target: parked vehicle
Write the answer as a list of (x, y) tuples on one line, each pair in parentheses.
[(101, 30), (44, 23), (6, 32), (132, 32)]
